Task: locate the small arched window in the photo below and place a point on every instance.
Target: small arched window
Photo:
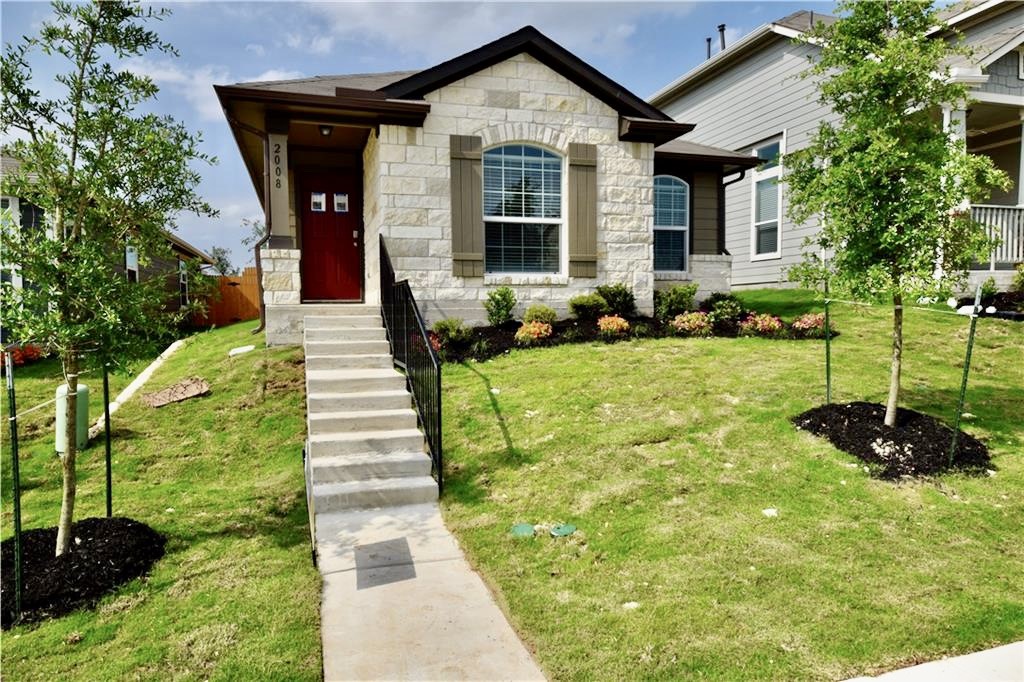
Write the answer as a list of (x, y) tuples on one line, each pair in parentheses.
[(522, 209), (671, 223)]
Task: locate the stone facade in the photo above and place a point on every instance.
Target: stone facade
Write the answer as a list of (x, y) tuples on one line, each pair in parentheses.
[(407, 188), (710, 273), (281, 281)]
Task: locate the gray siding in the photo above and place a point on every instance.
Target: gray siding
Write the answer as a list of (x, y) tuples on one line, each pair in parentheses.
[(1006, 157), (1004, 76), (758, 99)]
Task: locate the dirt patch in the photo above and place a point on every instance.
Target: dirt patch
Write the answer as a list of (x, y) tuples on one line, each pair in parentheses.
[(104, 553), (917, 446), (193, 387)]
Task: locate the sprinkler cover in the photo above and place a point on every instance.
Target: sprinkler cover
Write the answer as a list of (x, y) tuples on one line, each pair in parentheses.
[(523, 530), (563, 530)]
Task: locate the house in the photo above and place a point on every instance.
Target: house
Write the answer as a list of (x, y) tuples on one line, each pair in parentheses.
[(29, 217), (514, 164), (750, 98)]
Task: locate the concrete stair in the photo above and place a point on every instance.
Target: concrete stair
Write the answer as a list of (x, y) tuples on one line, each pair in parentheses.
[(364, 448)]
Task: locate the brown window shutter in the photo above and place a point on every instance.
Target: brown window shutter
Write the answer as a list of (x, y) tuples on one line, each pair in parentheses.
[(582, 210), (467, 207)]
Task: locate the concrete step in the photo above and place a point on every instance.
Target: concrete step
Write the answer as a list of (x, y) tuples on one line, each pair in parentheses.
[(369, 400), (347, 347), (353, 380), (342, 468), (301, 310), (373, 492), (345, 334), (361, 420), (362, 361), (336, 321), (359, 442)]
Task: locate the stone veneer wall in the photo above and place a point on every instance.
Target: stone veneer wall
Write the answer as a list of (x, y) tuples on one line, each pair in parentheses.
[(281, 280), (710, 273), (407, 177)]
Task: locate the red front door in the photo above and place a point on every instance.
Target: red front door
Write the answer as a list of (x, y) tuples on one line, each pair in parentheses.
[(332, 237)]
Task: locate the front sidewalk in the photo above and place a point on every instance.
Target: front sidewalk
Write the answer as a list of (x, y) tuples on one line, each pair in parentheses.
[(1002, 664)]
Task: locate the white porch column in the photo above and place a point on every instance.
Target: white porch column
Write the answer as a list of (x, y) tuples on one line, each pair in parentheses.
[(1020, 162)]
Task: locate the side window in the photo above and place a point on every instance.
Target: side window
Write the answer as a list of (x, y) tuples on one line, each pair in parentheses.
[(765, 237), (131, 263), (182, 282), (671, 223)]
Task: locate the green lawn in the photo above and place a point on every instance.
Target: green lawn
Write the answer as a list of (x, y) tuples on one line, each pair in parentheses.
[(664, 454), (236, 596)]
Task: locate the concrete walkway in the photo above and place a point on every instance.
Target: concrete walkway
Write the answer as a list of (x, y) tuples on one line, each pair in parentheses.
[(1002, 664), (400, 602)]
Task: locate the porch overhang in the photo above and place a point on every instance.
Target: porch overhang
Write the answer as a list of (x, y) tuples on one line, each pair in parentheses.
[(635, 129)]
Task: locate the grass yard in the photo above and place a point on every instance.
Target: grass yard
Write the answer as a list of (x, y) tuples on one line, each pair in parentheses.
[(664, 454), (236, 596)]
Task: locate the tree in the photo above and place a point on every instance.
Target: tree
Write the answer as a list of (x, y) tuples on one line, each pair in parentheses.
[(107, 177), (889, 184), (222, 261)]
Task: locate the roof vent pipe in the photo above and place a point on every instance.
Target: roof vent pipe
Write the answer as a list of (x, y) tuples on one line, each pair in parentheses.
[(721, 37), (709, 47)]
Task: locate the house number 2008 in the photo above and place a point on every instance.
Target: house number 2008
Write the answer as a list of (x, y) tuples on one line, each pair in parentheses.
[(277, 165)]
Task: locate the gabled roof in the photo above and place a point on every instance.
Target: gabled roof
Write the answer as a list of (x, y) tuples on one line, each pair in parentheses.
[(326, 86), (186, 248), (531, 41)]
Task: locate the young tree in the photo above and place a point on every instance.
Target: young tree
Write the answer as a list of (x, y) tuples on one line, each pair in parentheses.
[(888, 182), (222, 261), (106, 176)]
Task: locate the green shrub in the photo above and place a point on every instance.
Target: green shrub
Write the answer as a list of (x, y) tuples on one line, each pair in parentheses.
[(453, 336), (674, 301), (588, 307), (538, 312), (619, 298), (724, 312), (989, 288), (1018, 279), (499, 305)]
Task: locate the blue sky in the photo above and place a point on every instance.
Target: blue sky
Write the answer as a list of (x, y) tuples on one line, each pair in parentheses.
[(643, 46)]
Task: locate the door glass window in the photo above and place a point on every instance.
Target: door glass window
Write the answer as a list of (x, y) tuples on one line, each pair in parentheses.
[(318, 202), (340, 203)]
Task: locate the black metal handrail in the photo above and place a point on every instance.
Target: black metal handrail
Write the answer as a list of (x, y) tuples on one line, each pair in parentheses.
[(412, 352)]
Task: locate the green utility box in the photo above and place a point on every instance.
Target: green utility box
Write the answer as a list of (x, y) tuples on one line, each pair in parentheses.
[(82, 420)]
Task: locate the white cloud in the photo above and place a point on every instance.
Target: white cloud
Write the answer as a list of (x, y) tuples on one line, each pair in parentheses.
[(312, 44), (256, 49), (441, 30)]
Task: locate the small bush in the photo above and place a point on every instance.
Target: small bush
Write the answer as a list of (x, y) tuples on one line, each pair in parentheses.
[(533, 332), (989, 288), (452, 336), (725, 312), (810, 326), (588, 306), (619, 298), (763, 324), (612, 326), (499, 305), (674, 301), (1018, 279), (640, 330), (538, 312), (573, 335), (692, 324)]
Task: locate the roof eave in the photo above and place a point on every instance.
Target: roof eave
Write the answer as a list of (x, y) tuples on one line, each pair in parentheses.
[(634, 129)]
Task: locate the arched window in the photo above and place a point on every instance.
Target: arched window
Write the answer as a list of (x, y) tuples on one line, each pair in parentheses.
[(671, 223), (522, 209)]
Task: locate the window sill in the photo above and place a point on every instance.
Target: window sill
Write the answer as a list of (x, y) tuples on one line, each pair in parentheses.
[(766, 256), (525, 279), (672, 275)]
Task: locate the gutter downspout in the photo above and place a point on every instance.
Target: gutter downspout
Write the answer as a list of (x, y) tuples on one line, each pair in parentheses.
[(266, 214), (721, 209)]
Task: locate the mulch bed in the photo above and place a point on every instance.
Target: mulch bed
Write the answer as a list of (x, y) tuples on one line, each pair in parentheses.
[(104, 553), (917, 446), (1009, 305)]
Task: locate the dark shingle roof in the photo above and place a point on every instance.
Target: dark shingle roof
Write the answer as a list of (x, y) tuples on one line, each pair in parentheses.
[(325, 85), (803, 20)]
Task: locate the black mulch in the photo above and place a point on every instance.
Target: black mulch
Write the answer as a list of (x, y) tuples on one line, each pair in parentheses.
[(104, 553), (917, 446), (1009, 305)]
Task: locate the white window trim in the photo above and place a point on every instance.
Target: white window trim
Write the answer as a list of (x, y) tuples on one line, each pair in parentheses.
[(563, 232), (1020, 63), (128, 268), (14, 206), (756, 176), (183, 279), (676, 228)]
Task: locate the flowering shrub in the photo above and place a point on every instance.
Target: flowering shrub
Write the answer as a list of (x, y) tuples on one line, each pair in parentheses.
[(22, 355), (810, 326), (612, 326), (691, 324), (532, 332), (435, 342), (762, 324)]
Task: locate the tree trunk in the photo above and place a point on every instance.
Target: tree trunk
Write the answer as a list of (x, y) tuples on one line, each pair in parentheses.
[(67, 504), (897, 360)]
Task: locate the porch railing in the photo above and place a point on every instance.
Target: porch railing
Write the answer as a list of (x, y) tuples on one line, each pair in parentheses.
[(411, 349), (1006, 223)]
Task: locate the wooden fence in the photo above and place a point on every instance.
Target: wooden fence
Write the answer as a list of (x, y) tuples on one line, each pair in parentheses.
[(238, 301)]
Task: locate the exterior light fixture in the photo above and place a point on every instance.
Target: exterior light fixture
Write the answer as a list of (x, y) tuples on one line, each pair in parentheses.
[(325, 131)]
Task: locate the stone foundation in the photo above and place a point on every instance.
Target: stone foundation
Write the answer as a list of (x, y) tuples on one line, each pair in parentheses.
[(711, 273)]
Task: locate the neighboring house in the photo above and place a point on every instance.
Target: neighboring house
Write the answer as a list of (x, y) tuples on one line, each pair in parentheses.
[(515, 163), (751, 98), (32, 218)]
